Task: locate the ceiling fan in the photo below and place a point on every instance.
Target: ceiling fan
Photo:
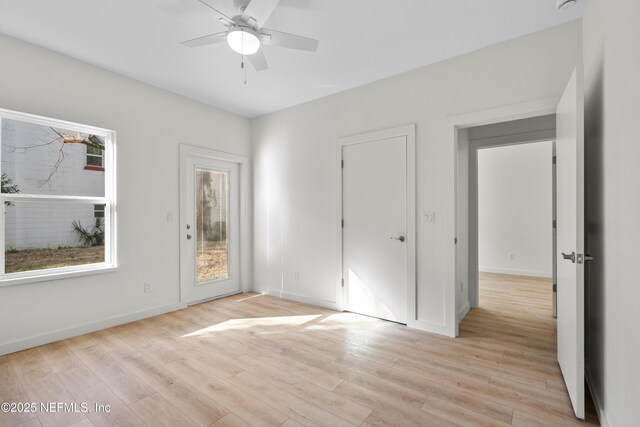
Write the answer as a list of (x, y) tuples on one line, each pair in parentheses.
[(245, 33)]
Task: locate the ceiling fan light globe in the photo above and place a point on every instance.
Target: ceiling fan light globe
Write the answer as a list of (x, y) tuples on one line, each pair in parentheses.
[(243, 41)]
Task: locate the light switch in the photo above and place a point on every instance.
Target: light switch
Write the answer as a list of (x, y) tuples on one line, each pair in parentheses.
[(428, 217), (169, 216)]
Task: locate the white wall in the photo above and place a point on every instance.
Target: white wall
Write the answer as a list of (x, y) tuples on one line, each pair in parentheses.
[(150, 123), (612, 82), (515, 209), (295, 160)]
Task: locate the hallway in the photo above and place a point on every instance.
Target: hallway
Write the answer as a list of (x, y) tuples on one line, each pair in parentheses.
[(515, 315)]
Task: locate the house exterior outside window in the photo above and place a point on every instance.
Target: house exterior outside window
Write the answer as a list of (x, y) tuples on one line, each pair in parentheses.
[(58, 182), (95, 158)]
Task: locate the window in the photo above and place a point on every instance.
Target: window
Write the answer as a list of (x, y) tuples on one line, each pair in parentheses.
[(95, 156), (58, 220), (98, 211)]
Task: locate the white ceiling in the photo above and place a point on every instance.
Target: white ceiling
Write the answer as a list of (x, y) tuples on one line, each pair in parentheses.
[(360, 41)]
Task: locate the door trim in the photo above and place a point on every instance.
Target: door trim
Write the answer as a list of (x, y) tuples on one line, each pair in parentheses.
[(187, 151), (408, 131)]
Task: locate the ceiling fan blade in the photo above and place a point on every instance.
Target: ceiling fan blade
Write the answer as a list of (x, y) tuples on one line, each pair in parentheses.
[(260, 10), (205, 40), (239, 4), (291, 41), (298, 4), (221, 16), (258, 61)]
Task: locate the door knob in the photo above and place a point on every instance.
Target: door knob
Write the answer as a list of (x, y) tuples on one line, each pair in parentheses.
[(582, 258), (399, 239), (571, 256), (188, 236)]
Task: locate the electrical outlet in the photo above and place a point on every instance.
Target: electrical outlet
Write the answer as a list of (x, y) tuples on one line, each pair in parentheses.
[(169, 217), (512, 257), (148, 287)]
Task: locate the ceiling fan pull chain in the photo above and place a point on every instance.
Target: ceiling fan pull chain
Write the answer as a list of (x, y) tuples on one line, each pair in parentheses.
[(242, 64), (245, 70)]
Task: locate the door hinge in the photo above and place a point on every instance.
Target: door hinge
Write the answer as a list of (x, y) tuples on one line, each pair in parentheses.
[(343, 282), (342, 164), (455, 240), (342, 223), (555, 223), (555, 159)]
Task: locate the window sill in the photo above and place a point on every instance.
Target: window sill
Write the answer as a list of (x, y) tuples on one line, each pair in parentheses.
[(55, 274), (94, 168)]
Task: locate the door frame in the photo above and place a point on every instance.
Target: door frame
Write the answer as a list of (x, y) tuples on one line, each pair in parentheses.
[(454, 263), (187, 151), (408, 131)]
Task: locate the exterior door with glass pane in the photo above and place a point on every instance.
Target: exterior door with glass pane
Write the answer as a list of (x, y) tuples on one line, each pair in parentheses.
[(210, 229)]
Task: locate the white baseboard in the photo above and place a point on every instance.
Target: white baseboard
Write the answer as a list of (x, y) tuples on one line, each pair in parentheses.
[(258, 290), (597, 401), (61, 334), (513, 272), (434, 328), (463, 311), (304, 300)]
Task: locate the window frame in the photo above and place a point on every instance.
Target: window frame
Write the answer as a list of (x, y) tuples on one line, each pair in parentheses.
[(109, 200)]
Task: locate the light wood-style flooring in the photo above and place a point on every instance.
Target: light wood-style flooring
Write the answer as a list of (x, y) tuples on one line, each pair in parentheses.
[(257, 360)]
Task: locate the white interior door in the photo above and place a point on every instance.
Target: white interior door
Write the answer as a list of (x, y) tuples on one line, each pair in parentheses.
[(374, 191), (570, 239), (210, 249)]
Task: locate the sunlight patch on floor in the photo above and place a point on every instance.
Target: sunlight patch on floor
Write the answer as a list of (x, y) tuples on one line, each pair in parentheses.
[(239, 324), (250, 297)]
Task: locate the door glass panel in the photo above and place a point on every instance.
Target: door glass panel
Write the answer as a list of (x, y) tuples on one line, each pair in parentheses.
[(212, 214)]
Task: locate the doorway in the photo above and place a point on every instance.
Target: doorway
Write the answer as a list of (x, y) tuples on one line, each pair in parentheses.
[(510, 222), (210, 222), (515, 214), (472, 142), (569, 126), (514, 188), (377, 196)]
